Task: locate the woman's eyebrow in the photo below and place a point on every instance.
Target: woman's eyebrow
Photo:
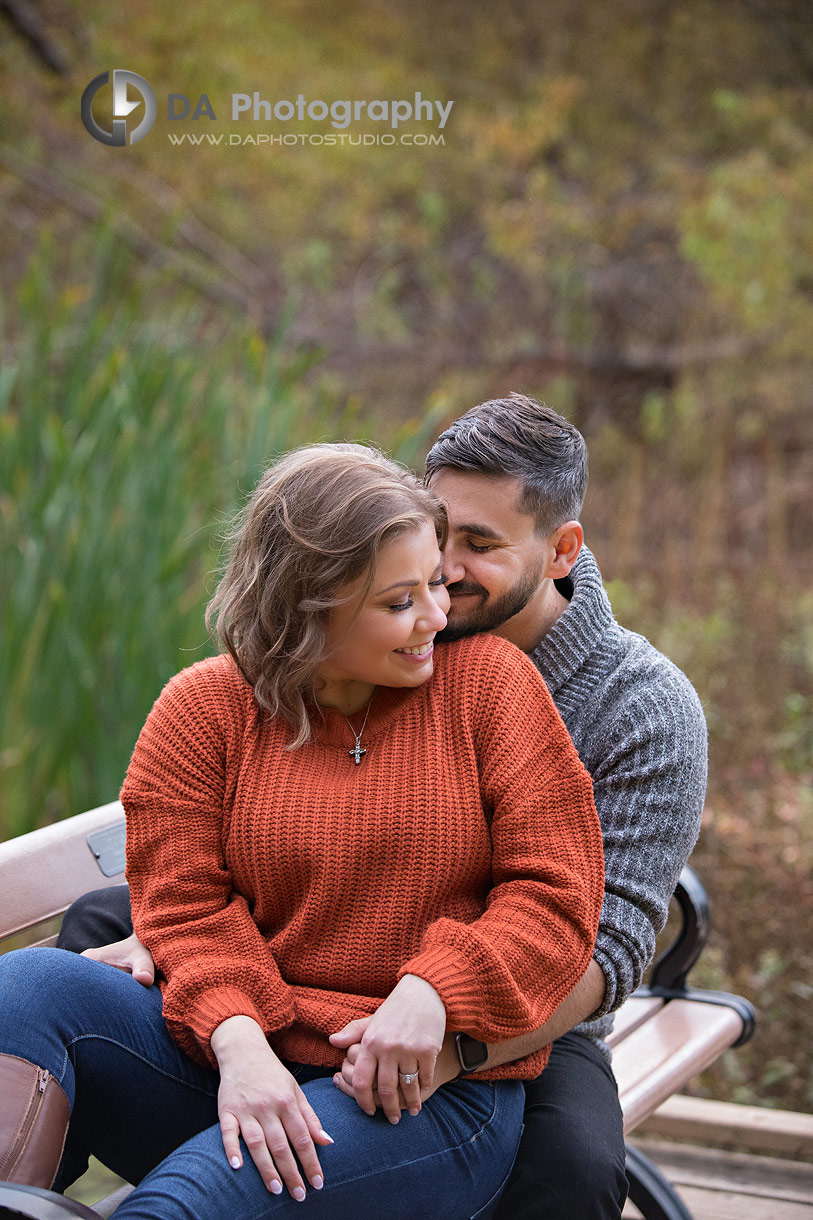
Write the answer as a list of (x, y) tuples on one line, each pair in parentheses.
[(406, 584), (399, 584)]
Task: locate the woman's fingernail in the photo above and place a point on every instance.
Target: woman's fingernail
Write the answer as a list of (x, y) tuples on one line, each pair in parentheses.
[(414, 1112), (394, 1118), (275, 1186), (235, 1162), (325, 1136), (317, 1182), (299, 1194)]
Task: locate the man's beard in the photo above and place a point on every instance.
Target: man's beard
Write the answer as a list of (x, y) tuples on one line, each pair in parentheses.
[(489, 614)]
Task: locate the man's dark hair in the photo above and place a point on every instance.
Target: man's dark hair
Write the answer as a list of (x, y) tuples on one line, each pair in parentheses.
[(520, 437)]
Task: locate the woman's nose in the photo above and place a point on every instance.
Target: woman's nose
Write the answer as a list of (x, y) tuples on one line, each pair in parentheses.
[(436, 611), (442, 611)]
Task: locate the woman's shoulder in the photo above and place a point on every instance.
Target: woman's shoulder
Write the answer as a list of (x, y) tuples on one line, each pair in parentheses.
[(213, 686), (492, 684), (486, 657)]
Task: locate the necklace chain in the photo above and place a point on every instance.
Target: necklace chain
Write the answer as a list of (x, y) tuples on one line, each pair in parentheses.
[(358, 751)]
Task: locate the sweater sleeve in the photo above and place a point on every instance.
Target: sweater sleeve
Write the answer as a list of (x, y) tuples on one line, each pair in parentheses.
[(198, 928), (505, 973), (649, 787)]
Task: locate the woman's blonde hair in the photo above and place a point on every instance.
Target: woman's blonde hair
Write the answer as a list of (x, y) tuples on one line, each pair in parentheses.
[(315, 522)]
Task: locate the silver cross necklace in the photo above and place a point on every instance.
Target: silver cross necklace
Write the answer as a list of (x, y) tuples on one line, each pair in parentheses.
[(358, 750)]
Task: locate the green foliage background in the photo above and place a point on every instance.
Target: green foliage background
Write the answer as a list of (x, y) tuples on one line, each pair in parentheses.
[(619, 220)]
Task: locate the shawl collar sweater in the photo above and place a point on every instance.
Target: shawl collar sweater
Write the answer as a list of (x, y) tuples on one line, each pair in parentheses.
[(639, 728), (296, 888)]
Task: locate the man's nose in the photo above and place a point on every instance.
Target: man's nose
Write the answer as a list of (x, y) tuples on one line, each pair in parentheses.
[(453, 567)]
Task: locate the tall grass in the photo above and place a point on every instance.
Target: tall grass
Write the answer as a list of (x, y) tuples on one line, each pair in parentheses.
[(133, 425), (130, 428)]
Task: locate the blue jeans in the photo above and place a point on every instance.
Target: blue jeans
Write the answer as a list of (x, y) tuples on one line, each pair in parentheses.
[(149, 1112)]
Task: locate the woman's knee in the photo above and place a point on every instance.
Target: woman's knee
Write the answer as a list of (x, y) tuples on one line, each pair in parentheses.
[(33, 976), (49, 996), (33, 991)]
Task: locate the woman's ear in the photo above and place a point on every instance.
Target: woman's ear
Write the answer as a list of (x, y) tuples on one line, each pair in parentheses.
[(566, 542)]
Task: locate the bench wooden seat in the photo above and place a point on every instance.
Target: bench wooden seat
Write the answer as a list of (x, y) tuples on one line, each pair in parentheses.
[(663, 1036)]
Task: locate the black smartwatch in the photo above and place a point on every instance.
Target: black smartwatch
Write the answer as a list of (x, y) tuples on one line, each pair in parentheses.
[(471, 1054)]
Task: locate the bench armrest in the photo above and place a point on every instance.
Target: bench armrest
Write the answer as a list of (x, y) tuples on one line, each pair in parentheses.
[(667, 979)]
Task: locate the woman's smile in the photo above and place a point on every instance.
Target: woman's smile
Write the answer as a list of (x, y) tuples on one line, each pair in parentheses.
[(417, 652)]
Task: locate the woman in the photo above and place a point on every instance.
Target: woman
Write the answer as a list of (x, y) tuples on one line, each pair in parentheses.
[(316, 833)]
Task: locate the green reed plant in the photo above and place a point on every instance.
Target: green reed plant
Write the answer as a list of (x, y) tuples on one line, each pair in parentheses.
[(132, 425)]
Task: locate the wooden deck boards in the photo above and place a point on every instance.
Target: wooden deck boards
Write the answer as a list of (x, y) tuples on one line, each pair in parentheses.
[(719, 1124), (717, 1185)]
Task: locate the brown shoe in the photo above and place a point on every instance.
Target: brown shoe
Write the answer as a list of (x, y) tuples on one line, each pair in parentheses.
[(34, 1116)]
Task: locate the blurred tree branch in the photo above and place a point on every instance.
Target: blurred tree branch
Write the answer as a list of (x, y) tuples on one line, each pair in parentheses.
[(24, 18), (240, 290)]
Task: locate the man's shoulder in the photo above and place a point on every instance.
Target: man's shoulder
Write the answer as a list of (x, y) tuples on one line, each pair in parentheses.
[(648, 674), (614, 689), (644, 704), (589, 659)]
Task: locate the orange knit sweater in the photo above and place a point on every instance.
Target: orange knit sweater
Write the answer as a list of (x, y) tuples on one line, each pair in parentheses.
[(296, 888)]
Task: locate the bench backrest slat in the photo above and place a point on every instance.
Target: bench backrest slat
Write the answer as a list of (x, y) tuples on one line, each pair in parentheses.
[(41, 873)]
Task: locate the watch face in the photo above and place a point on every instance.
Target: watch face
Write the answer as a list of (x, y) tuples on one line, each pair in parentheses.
[(471, 1053)]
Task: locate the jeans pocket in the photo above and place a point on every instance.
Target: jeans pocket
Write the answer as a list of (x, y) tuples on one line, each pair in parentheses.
[(488, 1209)]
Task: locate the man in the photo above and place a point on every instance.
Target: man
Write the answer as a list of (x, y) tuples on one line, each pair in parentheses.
[(513, 474)]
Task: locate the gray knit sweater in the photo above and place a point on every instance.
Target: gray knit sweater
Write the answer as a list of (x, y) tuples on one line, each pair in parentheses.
[(640, 731)]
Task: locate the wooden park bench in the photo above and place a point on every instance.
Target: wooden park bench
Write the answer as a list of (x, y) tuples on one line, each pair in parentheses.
[(664, 1035)]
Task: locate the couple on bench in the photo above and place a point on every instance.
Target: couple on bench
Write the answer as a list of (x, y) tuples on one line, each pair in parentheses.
[(364, 855)]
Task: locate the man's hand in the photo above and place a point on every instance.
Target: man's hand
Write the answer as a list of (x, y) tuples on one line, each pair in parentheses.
[(128, 955), (404, 1036)]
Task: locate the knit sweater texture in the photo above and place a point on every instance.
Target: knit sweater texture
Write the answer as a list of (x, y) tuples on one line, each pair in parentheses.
[(296, 888), (640, 731)]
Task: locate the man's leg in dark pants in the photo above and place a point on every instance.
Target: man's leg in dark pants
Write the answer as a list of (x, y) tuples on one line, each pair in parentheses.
[(571, 1163), (98, 918)]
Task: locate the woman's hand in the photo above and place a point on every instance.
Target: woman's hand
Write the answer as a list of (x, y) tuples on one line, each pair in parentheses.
[(403, 1037), (260, 1100), (447, 1066)]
